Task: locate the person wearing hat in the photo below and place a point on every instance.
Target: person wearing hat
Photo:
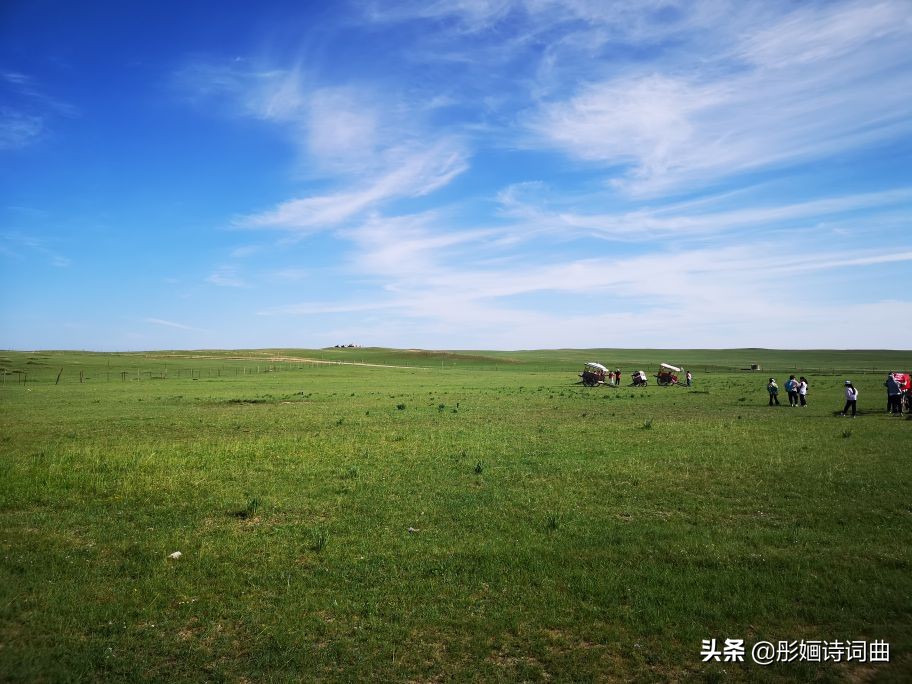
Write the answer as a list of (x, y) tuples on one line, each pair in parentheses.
[(851, 395), (773, 390)]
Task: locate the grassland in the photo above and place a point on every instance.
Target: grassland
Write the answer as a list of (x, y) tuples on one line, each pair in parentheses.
[(469, 516)]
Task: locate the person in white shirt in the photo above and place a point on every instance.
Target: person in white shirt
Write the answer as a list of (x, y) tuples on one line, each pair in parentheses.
[(851, 395), (803, 390)]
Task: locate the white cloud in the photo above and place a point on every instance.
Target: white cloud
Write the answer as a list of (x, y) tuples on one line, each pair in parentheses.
[(812, 84), (410, 174), (172, 324), (19, 129), (472, 15), (18, 245), (366, 144), (342, 129), (815, 34), (679, 220), (595, 21), (291, 274), (315, 308), (443, 285), (245, 251), (27, 112), (226, 276), (406, 247)]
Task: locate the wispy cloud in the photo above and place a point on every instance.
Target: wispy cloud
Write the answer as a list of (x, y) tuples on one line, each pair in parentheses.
[(226, 276), (21, 245), (405, 247), (245, 251), (811, 34), (819, 81), (369, 146), (561, 21), (291, 274), (527, 203), (709, 297), (172, 324), (411, 174), (27, 112), (18, 129), (667, 97)]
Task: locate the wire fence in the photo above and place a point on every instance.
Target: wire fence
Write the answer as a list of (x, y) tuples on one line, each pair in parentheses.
[(70, 375)]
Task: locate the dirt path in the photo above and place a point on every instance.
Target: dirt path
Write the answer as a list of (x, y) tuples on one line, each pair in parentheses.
[(339, 363), (283, 359)]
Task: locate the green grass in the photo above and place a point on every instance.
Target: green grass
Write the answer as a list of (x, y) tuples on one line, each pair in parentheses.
[(468, 516)]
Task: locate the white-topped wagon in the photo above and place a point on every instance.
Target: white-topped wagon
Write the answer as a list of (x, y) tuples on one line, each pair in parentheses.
[(593, 374), (667, 374)]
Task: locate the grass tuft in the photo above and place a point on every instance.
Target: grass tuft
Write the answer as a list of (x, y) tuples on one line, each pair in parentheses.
[(319, 537), (249, 510)]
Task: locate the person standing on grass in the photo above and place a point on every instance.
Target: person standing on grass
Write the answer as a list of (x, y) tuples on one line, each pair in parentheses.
[(617, 376), (803, 391), (851, 395), (791, 386), (894, 396), (690, 378), (773, 390)]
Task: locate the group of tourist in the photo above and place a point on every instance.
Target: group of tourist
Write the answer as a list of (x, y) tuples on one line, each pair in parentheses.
[(797, 389)]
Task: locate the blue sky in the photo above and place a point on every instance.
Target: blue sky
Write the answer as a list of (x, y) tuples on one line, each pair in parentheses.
[(466, 174)]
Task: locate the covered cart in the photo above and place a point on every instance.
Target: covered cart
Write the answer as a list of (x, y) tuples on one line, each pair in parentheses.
[(667, 374), (593, 374)]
